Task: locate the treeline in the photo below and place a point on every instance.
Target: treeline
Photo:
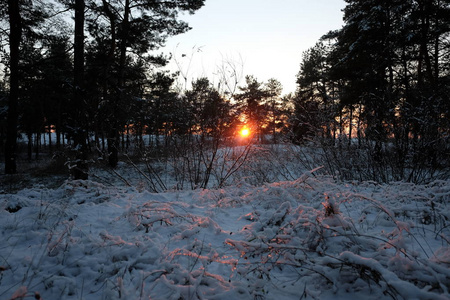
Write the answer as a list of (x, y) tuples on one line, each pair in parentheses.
[(80, 67), (377, 91), (97, 82), (372, 97)]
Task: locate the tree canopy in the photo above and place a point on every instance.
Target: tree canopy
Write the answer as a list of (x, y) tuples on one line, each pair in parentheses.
[(372, 95)]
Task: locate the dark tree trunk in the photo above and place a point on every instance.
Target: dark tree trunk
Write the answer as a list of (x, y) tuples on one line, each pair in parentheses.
[(2, 137), (114, 135), (15, 23), (79, 48), (113, 132), (30, 145), (113, 151), (58, 125), (350, 126), (58, 134), (80, 171), (37, 144), (50, 146)]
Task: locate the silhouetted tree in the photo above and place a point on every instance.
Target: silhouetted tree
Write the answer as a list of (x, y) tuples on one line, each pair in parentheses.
[(15, 35), (382, 73), (131, 28), (209, 110), (250, 104), (56, 84), (315, 100), (80, 167), (273, 106)]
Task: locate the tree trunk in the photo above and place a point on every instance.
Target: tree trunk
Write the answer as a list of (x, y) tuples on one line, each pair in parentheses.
[(113, 151), (58, 136), (58, 126), (350, 126), (30, 145), (15, 34), (112, 135), (80, 170), (37, 145), (2, 138)]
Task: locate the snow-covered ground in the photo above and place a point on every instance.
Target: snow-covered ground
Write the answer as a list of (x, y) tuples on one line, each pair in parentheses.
[(309, 238)]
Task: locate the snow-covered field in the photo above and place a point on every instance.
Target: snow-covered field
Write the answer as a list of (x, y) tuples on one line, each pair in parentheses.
[(309, 238)]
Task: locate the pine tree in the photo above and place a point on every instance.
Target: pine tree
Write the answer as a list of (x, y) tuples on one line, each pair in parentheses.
[(131, 28), (15, 35), (386, 73), (274, 89), (80, 168), (314, 108), (250, 104), (210, 111)]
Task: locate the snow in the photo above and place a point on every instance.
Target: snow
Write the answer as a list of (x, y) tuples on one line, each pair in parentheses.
[(310, 238)]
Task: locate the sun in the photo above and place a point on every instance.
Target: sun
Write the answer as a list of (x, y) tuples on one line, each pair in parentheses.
[(245, 132)]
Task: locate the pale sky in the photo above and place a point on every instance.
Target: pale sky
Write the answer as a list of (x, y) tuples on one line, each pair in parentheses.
[(263, 38)]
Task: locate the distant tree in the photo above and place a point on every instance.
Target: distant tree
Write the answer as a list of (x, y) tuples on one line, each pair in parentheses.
[(167, 114), (32, 93), (273, 106), (56, 82), (286, 114), (54, 85), (210, 111), (250, 104)]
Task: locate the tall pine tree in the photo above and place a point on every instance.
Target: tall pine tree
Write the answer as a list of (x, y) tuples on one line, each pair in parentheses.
[(131, 28), (15, 35)]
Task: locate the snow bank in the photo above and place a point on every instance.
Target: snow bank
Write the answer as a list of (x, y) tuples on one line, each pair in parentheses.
[(311, 238)]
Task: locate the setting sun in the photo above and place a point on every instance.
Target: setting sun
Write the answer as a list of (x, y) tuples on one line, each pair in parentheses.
[(245, 132)]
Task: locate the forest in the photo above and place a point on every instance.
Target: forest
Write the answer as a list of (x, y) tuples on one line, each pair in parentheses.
[(83, 80), (122, 179)]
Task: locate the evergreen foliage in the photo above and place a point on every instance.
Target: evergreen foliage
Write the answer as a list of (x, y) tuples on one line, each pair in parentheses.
[(382, 75), (374, 95)]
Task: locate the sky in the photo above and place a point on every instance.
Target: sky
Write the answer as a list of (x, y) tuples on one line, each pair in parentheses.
[(263, 38)]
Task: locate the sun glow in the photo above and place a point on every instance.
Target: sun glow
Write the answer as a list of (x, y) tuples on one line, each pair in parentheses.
[(244, 132)]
